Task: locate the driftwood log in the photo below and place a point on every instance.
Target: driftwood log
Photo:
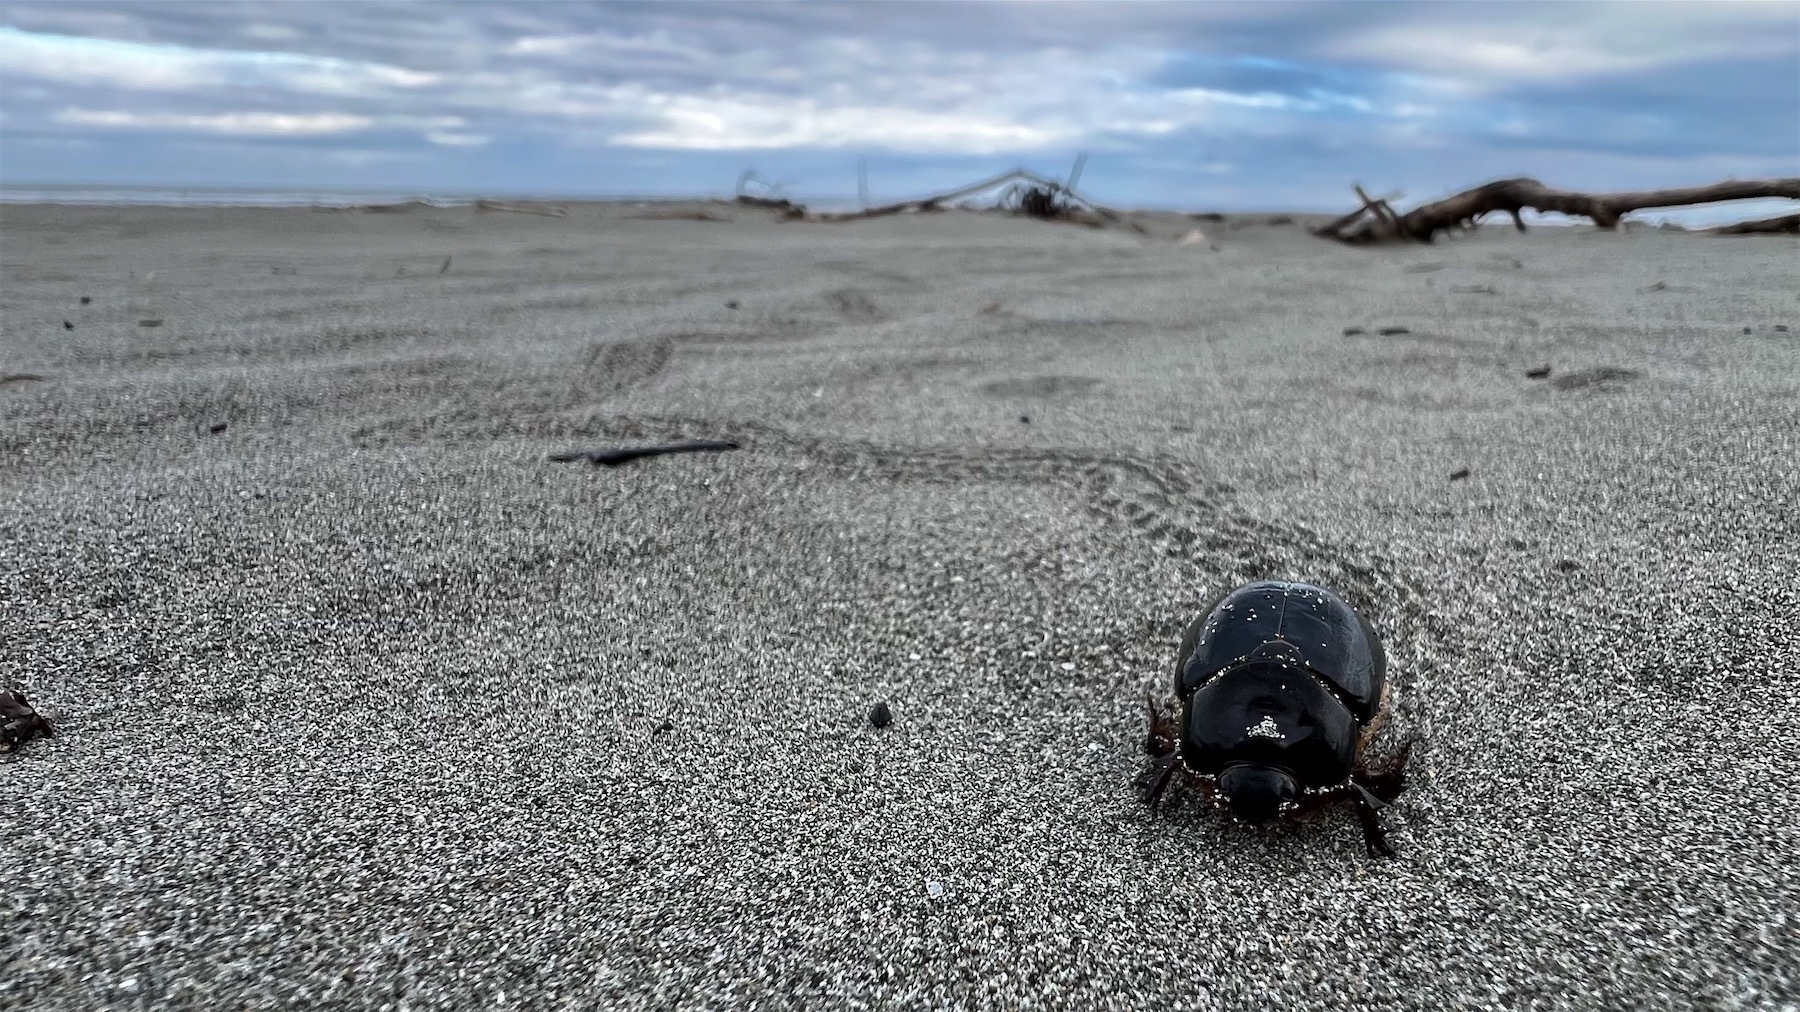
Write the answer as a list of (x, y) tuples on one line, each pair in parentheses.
[(1024, 193), (546, 210), (1027, 193), (1787, 223), (1376, 221)]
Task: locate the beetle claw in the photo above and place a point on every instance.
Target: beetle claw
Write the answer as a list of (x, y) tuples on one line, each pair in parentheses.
[(1161, 771), (1368, 813)]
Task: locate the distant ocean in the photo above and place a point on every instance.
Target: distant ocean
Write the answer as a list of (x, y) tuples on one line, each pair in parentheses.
[(236, 196), (247, 196), (244, 196)]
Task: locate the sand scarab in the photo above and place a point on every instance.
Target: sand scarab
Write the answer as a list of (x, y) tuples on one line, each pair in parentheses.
[(1282, 687)]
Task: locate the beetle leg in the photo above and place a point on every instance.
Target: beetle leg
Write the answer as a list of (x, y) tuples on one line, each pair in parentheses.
[(1385, 780), (1161, 739), (1162, 770), (1368, 813)]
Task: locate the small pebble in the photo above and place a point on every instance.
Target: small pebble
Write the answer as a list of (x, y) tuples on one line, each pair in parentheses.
[(149, 323), (1781, 328), (1539, 373), (881, 716), (85, 299), (1024, 419), (68, 326), (935, 888), (1567, 566), (1392, 331), (664, 727), (1354, 331), (731, 304), (1459, 474)]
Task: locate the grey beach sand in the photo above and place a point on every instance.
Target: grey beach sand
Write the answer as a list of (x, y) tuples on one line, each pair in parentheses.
[(365, 703)]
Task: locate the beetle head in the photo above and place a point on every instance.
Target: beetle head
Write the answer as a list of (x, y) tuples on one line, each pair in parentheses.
[(1258, 794)]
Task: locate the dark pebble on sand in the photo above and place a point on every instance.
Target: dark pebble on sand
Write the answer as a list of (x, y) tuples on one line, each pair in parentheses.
[(1541, 372), (731, 304), (1459, 474), (1392, 331), (214, 427), (149, 323), (1746, 330), (881, 716), (1354, 331), (1781, 328), (1567, 566), (1024, 419), (85, 299), (68, 326), (664, 727)]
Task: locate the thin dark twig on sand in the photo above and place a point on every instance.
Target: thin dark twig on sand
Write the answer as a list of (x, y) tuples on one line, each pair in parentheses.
[(627, 454)]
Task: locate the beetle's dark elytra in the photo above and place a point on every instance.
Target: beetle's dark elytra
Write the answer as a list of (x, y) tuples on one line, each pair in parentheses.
[(1281, 686)]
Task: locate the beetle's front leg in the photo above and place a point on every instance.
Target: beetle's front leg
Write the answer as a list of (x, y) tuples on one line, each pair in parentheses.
[(1161, 739), (1387, 778), (1368, 813)]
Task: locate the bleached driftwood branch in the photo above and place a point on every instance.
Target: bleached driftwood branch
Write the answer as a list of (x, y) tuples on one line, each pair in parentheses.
[(1375, 221)]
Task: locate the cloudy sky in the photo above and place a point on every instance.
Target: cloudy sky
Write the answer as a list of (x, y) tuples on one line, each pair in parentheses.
[(1218, 105)]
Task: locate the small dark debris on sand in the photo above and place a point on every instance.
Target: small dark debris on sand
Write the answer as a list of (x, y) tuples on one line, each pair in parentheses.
[(881, 716), (731, 303), (150, 323), (68, 326), (663, 728), (1660, 286), (1024, 419), (1207, 216), (1354, 332), (627, 454), (446, 268), (1393, 331), (20, 377), (19, 723), (1567, 566), (1781, 328), (1474, 290), (85, 299), (1541, 372), (1600, 376), (1459, 474), (213, 427)]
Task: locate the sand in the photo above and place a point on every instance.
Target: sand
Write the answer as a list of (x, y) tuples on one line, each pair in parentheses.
[(364, 703)]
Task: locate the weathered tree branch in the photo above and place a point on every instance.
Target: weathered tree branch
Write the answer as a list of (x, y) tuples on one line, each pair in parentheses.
[(1028, 194), (1375, 222), (1787, 223)]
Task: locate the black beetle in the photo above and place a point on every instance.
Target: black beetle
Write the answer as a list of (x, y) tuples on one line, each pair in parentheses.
[(1282, 687)]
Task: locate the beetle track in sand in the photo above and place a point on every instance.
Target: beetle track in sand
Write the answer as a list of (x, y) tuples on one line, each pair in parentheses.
[(1177, 510)]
